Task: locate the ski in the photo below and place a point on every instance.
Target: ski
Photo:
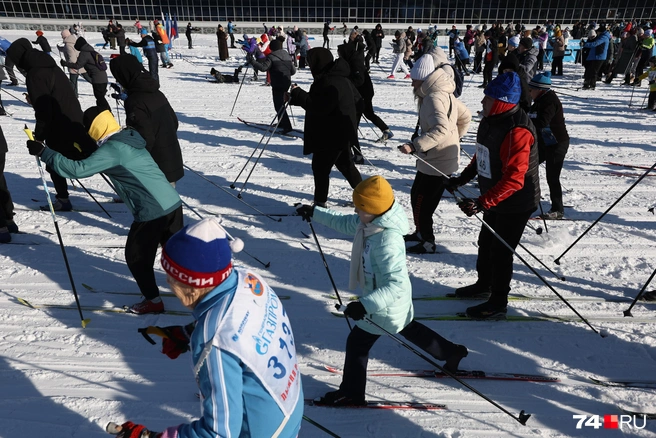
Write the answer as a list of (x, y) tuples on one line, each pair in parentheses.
[(161, 294), (649, 416), (630, 166), (294, 133), (93, 308), (383, 404), (461, 374), (624, 383), (452, 297), (539, 218), (543, 317), (630, 175)]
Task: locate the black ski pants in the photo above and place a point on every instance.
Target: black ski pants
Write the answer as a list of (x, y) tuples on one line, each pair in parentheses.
[(326, 42), (141, 249), (495, 262), (425, 196), (6, 204), (99, 92), (281, 111), (359, 343), (322, 164), (554, 157), (369, 113), (590, 74), (487, 72), (557, 66)]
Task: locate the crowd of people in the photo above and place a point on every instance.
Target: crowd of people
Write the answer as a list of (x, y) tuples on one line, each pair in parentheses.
[(522, 125)]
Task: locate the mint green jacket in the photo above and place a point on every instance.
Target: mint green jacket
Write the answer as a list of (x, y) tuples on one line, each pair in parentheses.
[(387, 293)]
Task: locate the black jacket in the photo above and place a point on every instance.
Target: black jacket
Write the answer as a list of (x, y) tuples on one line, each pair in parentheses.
[(547, 111), (280, 66), (56, 109), (149, 113), (120, 36), (43, 43), (378, 36), (331, 106), (353, 53), (86, 61)]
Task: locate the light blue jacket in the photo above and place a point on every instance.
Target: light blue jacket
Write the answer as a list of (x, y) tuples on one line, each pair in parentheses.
[(598, 47), (235, 404), (387, 293), (137, 178)]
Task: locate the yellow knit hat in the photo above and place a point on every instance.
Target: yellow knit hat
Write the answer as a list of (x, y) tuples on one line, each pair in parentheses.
[(374, 195)]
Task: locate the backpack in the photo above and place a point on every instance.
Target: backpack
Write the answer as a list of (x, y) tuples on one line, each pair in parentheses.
[(99, 61), (459, 78)]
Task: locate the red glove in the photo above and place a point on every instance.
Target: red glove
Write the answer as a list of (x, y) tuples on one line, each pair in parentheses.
[(177, 341), (470, 206), (131, 430)]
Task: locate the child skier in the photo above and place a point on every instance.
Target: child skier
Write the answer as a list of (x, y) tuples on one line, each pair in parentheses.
[(651, 74), (378, 265)]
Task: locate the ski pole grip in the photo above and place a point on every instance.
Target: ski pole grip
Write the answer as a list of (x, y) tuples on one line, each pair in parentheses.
[(113, 428), (28, 131)]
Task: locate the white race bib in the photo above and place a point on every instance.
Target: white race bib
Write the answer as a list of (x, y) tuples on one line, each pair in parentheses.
[(483, 161), (257, 330)]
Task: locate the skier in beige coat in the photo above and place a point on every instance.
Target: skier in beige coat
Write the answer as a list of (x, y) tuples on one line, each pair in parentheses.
[(443, 121)]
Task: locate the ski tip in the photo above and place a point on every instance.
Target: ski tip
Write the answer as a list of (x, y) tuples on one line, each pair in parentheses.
[(86, 286), (85, 322), (25, 302), (267, 265)]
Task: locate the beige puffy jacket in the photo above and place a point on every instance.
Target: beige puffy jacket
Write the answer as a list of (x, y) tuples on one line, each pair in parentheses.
[(443, 120)]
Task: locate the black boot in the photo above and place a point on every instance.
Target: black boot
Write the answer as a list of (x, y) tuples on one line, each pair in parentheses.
[(476, 290)]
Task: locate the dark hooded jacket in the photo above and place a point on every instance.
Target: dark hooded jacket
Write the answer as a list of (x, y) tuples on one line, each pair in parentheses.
[(353, 53), (56, 109), (331, 104), (86, 61), (149, 113), (280, 66)]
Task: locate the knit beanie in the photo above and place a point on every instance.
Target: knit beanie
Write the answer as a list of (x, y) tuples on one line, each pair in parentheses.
[(200, 255), (39, 33), (422, 68), (506, 87), (100, 123), (526, 42), (514, 41), (541, 81), (592, 33), (374, 195), (144, 31)]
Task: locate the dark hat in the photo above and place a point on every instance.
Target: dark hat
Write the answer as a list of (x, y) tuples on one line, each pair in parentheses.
[(509, 62), (275, 45), (526, 42), (18, 49), (90, 115), (319, 59)]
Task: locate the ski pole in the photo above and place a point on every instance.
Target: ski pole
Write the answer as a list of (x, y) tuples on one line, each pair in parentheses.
[(544, 219), (257, 160), (632, 91), (239, 91), (522, 418), (193, 210), (15, 97), (28, 131), (560, 277), (627, 312), (232, 186), (92, 197), (372, 128), (317, 425), (228, 192), (325, 264), (557, 260)]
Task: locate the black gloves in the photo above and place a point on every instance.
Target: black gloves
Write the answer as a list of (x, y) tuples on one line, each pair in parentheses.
[(355, 311), (453, 183), (62, 62), (470, 206), (306, 212), (35, 148), (116, 87)]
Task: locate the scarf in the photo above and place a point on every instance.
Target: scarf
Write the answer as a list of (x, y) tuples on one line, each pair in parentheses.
[(356, 273)]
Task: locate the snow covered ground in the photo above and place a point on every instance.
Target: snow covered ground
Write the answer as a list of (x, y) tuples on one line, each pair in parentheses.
[(60, 380)]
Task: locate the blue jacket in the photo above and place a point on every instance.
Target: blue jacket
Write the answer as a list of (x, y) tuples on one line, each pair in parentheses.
[(136, 177), (598, 47), (235, 404), (387, 294)]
